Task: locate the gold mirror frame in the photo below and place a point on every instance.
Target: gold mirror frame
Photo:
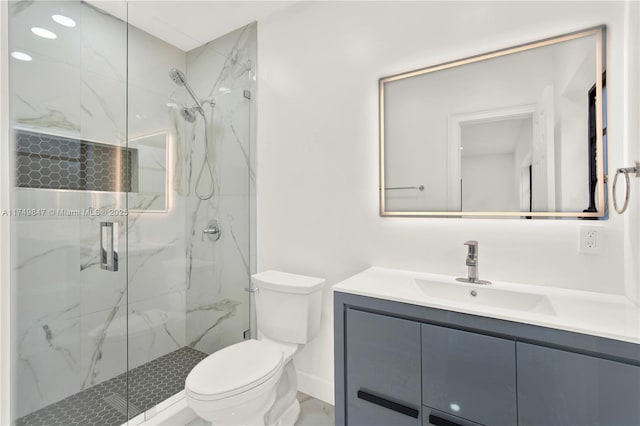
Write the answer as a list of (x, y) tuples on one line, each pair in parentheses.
[(600, 33)]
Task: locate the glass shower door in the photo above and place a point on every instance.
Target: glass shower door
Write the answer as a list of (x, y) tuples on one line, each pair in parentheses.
[(189, 212), (124, 275), (68, 213)]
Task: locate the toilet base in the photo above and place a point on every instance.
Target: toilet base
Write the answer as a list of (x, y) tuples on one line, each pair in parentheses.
[(290, 416), (286, 408)]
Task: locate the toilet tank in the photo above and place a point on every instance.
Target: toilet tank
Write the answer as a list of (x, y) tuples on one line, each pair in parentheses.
[(288, 306)]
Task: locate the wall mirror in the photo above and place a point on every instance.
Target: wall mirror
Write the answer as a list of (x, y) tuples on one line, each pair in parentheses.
[(519, 132)]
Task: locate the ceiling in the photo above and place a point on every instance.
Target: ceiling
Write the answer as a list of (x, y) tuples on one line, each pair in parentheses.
[(495, 137), (189, 24)]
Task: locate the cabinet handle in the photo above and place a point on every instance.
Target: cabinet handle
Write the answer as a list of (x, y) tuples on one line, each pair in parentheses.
[(439, 421), (399, 408)]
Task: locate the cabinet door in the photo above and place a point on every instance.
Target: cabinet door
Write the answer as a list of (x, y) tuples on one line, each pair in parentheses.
[(382, 370), (557, 387), (469, 375)]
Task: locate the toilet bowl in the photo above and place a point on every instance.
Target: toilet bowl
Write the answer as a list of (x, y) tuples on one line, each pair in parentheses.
[(254, 382), (235, 385)]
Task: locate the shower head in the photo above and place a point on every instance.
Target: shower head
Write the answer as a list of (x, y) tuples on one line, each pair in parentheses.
[(177, 76), (189, 114), (180, 79)]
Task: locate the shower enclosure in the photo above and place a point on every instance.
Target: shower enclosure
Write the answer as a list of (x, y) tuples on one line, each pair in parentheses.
[(131, 222)]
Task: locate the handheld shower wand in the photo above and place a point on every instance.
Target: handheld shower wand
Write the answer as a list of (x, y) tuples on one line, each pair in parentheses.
[(189, 115), (180, 79)]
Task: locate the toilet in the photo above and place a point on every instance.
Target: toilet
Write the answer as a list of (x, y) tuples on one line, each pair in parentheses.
[(254, 382)]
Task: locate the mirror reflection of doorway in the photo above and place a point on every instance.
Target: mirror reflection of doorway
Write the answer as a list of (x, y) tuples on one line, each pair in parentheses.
[(496, 158)]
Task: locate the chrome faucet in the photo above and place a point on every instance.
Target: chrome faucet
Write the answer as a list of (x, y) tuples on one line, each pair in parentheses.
[(472, 264)]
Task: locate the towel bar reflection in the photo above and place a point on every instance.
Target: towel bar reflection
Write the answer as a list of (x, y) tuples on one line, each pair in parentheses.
[(419, 188)]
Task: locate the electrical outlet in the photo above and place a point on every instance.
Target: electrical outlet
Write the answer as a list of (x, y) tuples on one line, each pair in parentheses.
[(590, 239)]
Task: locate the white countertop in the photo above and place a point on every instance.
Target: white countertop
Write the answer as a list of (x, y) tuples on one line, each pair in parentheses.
[(597, 314)]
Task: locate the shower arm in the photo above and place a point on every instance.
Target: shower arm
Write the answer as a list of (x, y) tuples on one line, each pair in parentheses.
[(193, 95)]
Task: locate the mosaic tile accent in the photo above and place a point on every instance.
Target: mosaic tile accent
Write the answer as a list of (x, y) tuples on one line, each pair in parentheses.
[(56, 162), (157, 380), (102, 405)]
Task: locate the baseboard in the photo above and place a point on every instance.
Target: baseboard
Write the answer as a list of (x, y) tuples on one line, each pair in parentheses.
[(316, 387)]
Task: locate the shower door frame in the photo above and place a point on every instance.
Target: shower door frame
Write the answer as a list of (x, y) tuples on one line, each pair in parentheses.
[(5, 241)]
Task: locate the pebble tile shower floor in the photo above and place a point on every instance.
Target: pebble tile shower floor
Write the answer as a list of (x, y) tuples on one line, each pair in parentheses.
[(105, 404)]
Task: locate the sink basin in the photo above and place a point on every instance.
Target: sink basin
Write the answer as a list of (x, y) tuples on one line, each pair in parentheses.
[(487, 296)]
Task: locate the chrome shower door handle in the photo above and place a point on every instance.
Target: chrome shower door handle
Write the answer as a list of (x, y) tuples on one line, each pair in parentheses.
[(109, 246)]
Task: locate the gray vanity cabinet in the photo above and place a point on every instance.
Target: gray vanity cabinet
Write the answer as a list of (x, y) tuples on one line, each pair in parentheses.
[(469, 375), (399, 364), (382, 366), (557, 387)]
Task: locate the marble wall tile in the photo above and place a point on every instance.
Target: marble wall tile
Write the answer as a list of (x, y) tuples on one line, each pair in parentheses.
[(46, 271), (228, 59), (38, 103), (49, 352), (103, 338), (41, 106), (104, 44), (156, 327), (104, 101), (218, 308), (154, 269), (231, 131)]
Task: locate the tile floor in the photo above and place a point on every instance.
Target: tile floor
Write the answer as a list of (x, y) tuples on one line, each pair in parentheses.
[(105, 404), (313, 412)]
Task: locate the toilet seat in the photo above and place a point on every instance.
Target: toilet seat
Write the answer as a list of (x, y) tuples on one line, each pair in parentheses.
[(233, 370)]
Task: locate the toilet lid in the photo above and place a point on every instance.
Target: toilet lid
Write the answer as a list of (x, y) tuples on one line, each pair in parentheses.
[(234, 369)]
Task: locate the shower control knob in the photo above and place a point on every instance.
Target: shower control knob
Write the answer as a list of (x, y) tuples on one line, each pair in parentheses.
[(213, 230)]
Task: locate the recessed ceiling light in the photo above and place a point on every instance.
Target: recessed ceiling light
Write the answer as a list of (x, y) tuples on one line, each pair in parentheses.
[(224, 90), (21, 56), (64, 20), (41, 32)]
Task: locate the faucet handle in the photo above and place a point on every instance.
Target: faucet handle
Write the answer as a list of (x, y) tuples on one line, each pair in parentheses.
[(473, 247)]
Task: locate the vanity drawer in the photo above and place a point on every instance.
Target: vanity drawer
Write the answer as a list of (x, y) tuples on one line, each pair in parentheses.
[(557, 387), (469, 375), (382, 358)]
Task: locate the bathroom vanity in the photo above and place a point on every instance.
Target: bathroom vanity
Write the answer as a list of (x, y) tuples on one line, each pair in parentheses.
[(419, 349)]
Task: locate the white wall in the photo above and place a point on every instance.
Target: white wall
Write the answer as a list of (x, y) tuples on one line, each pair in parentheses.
[(631, 140), (488, 183), (318, 149)]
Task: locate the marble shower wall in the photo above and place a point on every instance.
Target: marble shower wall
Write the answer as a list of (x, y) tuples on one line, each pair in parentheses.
[(69, 315), (218, 308)]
